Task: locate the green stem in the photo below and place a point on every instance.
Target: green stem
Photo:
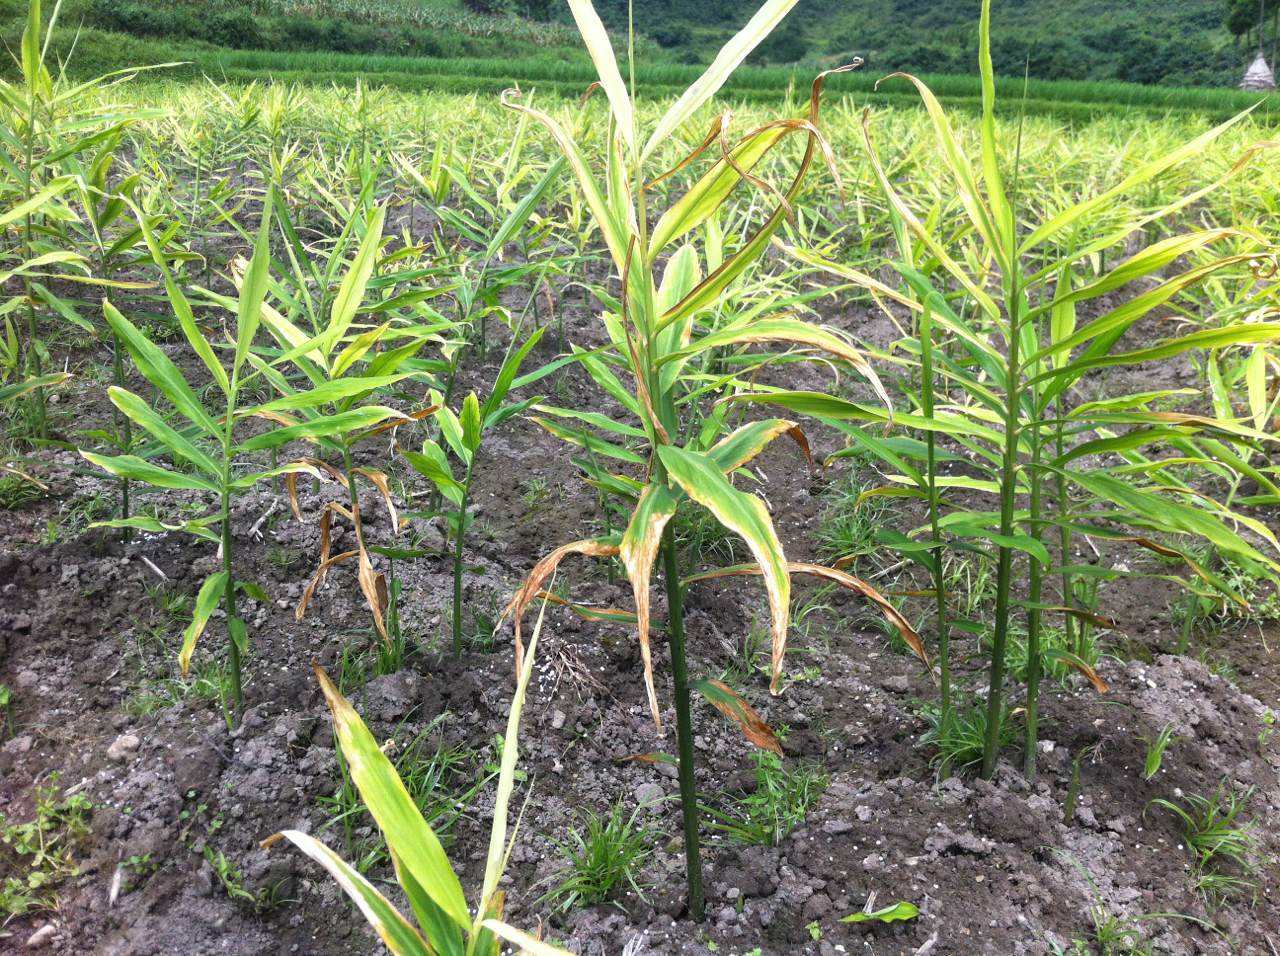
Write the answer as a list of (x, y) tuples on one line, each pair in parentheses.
[(229, 594), (1188, 623), (1004, 567), (460, 539), (1034, 590), (1008, 480), (124, 430), (1064, 535), (393, 614), (939, 585), (684, 725), (32, 363)]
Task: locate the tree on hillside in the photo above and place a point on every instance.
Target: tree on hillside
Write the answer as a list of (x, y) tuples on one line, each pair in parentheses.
[(1243, 17)]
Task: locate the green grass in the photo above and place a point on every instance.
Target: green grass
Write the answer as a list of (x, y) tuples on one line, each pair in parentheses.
[(1225, 846), (784, 793), (602, 858), (957, 748)]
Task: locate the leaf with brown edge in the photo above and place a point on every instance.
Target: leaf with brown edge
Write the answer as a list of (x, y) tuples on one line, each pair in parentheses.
[(790, 331), (654, 757), (746, 516), (373, 584), (590, 547), (279, 418), (317, 579), (746, 441), (1195, 566), (845, 580), (724, 699), (639, 549), (384, 488), (1071, 660)]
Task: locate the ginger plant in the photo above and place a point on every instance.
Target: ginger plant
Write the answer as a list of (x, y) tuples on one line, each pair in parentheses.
[(684, 459), (1002, 293), (206, 454), (444, 924)]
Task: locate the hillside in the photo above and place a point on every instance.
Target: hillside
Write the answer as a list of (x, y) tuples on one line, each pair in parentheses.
[(492, 43), (1140, 41)]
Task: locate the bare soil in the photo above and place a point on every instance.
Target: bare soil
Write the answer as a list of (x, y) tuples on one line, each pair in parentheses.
[(994, 866)]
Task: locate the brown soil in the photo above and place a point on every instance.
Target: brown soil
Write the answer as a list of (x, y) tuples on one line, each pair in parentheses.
[(993, 866)]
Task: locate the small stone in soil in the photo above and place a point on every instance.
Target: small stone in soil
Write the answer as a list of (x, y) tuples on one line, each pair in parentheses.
[(42, 936), (650, 793), (122, 747)]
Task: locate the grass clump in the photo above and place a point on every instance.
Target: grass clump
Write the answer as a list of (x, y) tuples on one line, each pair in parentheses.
[(848, 525), (603, 857), (783, 795), (1224, 845), (958, 743)]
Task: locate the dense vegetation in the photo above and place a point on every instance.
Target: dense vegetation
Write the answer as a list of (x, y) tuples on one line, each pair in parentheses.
[(1182, 43), (1199, 43)]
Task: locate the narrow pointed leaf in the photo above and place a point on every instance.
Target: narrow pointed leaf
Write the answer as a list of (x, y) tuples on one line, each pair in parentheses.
[(387, 800)]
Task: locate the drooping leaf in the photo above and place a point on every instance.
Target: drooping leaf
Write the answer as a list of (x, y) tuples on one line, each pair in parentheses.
[(397, 816), (159, 369), (207, 599), (731, 55), (746, 516), (590, 547), (638, 550), (393, 929), (139, 469), (726, 700)]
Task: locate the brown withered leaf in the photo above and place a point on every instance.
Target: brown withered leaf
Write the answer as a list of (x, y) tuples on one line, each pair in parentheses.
[(315, 467), (847, 581), (541, 571), (797, 435), (317, 579), (655, 757), (373, 584), (1071, 660), (291, 487), (384, 488), (724, 699), (1083, 614), (326, 520)]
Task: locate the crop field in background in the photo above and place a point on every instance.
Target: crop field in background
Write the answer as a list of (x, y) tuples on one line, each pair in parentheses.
[(539, 506)]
